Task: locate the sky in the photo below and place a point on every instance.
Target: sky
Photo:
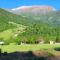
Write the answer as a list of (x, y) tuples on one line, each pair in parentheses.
[(9, 4)]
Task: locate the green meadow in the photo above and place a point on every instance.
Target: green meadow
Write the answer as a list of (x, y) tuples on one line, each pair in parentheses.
[(27, 47)]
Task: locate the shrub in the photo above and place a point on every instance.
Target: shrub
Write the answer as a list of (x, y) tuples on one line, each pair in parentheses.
[(57, 48)]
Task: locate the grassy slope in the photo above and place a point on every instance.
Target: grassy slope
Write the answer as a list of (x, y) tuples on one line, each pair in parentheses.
[(9, 24), (6, 34), (6, 17), (11, 32)]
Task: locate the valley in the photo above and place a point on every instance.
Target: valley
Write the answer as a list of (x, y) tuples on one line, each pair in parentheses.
[(30, 32)]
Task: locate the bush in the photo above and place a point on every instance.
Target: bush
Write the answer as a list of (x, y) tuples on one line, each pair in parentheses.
[(5, 53), (50, 54), (0, 52), (57, 48)]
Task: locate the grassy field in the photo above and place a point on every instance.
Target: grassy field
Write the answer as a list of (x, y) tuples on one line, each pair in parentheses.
[(32, 47), (11, 32), (29, 52)]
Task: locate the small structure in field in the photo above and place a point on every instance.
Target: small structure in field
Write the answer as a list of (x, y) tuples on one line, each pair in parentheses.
[(57, 43), (1, 42), (52, 42), (22, 43), (40, 40)]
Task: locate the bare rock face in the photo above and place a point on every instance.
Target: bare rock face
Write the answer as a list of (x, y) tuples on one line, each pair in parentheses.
[(33, 9)]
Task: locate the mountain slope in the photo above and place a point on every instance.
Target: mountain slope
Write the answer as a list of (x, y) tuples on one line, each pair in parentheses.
[(4, 25), (9, 25), (51, 18), (40, 25), (6, 17)]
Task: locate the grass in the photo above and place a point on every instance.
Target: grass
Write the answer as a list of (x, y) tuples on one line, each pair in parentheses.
[(17, 52), (11, 32), (6, 34), (32, 47)]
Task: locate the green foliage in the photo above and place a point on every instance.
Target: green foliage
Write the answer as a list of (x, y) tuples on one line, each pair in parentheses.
[(57, 48), (46, 26), (32, 33)]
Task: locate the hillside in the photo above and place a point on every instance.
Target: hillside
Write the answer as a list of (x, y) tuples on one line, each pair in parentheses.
[(45, 14), (33, 27), (3, 21), (6, 17), (9, 25)]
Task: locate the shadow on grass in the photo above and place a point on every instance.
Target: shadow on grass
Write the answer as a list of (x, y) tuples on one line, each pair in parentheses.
[(57, 48), (20, 56)]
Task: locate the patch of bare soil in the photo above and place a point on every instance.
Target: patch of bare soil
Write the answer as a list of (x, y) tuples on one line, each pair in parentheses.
[(56, 55), (40, 53)]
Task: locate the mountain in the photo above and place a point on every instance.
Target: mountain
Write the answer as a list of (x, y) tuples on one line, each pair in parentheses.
[(43, 13), (4, 19), (33, 9), (7, 17), (40, 25), (51, 18)]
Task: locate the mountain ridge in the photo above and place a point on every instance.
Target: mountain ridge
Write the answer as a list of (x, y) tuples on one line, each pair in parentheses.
[(35, 6), (36, 9)]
